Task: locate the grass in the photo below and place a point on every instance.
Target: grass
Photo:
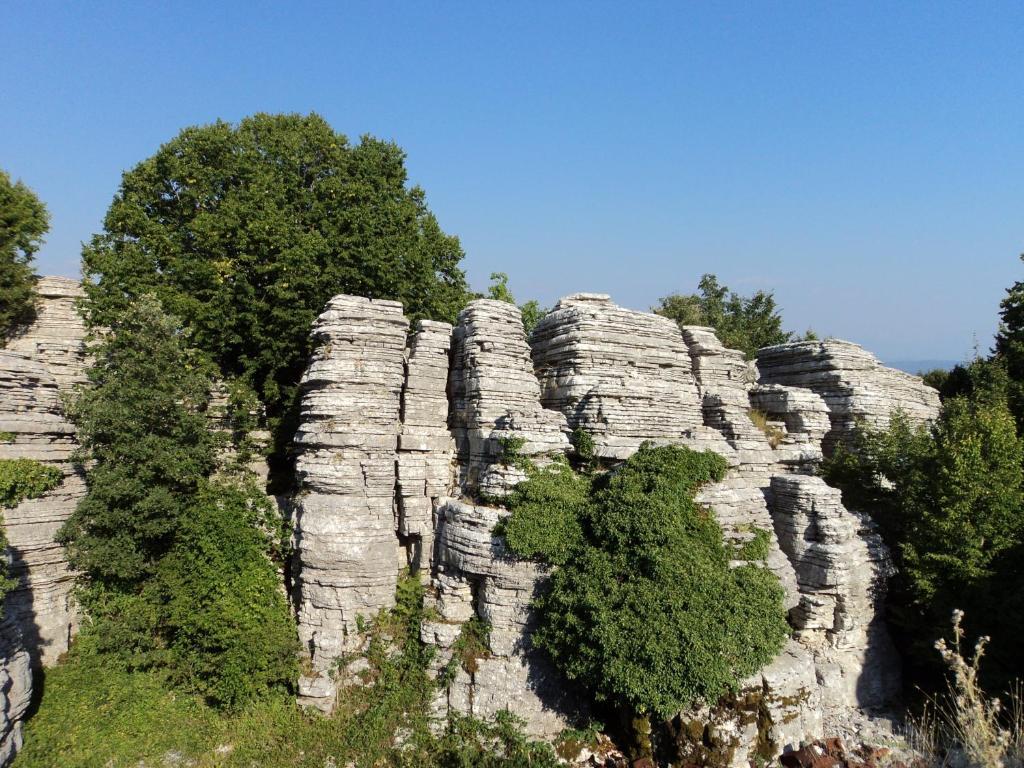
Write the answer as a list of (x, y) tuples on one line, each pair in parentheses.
[(760, 420), (94, 713), (966, 727)]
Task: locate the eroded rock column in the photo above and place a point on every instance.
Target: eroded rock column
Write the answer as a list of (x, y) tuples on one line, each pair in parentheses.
[(347, 552)]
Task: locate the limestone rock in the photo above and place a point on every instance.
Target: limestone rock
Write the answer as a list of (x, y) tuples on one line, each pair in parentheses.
[(347, 553), (425, 447), (57, 337), (842, 568), (41, 605), (476, 576), (623, 376), (495, 396), (853, 383)]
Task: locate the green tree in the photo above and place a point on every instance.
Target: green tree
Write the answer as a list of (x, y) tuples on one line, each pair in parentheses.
[(1009, 349), (644, 610), (23, 222), (531, 310), (245, 231), (142, 428), (175, 563), (949, 499), (744, 323)]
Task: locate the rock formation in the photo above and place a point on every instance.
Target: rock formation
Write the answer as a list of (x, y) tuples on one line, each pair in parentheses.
[(495, 398), (57, 336), (382, 448), (425, 447), (851, 381), (346, 550), (842, 568), (39, 616)]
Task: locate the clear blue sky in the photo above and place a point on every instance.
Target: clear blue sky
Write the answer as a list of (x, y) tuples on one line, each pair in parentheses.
[(863, 161)]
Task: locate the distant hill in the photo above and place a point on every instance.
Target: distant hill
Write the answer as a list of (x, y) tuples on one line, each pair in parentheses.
[(921, 366)]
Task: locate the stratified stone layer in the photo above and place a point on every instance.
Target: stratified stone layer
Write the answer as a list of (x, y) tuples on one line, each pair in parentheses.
[(853, 383), (621, 375), (475, 575), (57, 336), (347, 553), (30, 410), (39, 615), (842, 568), (495, 397), (425, 447)]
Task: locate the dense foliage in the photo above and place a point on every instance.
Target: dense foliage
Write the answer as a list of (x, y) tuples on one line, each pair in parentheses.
[(949, 499), (1009, 350), (245, 231), (175, 562), (96, 714), (644, 610), (745, 323), (23, 222), (20, 479)]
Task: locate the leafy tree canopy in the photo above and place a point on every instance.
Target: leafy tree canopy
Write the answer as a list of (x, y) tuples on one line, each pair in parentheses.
[(245, 231), (23, 222), (644, 609), (1009, 349), (745, 323)]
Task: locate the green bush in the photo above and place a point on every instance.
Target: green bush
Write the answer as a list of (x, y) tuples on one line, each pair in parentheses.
[(644, 610), (23, 222), (20, 479), (949, 500), (227, 620)]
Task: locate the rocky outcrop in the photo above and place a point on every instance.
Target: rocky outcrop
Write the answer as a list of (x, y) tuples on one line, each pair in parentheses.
[(623, 376), (30, 415), (57, 336), (855, 386), (495, 399), (390, 460), (346, 550), (475, 576), (39, 616), (425, 447), (842, 569)]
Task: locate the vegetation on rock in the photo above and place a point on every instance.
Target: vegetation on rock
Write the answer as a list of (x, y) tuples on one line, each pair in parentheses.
[(23, 222), (531, 310), (644, 610), (20, 479)]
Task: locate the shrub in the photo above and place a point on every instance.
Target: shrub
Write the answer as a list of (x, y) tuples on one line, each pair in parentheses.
[(644, 610), (20, 479)]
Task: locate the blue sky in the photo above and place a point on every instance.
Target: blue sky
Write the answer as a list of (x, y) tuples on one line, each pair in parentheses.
[(863, 161)]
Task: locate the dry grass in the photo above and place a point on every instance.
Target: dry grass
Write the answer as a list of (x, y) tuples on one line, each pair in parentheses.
[(772, 431), (966, 727)]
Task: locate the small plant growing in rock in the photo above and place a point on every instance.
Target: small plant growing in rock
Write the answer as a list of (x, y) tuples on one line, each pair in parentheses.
[(760, 420)]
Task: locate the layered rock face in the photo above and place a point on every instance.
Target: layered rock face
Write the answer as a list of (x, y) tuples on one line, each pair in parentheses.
[(495, 398), (41, 605), (378, 462), (56, 338), (39, 615), (842, 568), (347, 553), (623, 376), (853, 383), (425, 447)]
